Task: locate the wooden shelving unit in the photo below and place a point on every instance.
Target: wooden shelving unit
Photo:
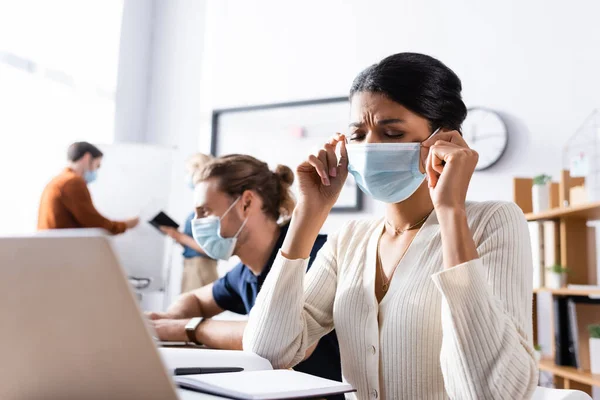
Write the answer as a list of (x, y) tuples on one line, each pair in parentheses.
[(570, 373), (589, 212), (568, 292), (575, 249)]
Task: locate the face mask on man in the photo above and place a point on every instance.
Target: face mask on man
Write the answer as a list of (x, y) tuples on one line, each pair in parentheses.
[(388, 172), (90, 175), (207, 233)]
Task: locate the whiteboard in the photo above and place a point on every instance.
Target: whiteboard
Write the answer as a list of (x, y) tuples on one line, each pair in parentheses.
[(136, 180), (286, 133)]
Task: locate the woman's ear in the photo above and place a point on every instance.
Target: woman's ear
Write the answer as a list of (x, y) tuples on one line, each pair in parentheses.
[(423, 158), (247, 201)]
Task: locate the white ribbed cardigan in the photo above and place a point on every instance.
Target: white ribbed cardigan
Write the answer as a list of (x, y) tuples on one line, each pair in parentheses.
[(460, 333)]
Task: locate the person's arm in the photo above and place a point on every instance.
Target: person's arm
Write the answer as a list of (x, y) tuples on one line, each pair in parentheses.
[(293, 310), (77, 199), (182, 238), (189, 241), (203, 302), (486, 307), (197, 303), (224, 335)]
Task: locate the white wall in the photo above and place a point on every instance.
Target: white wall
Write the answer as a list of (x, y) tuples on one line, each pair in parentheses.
[(536, 61), (174, 100), (174, 91), (158, 94), (133, 80)]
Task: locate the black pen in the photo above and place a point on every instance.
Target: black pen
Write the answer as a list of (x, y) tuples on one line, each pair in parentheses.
[(198, 371)]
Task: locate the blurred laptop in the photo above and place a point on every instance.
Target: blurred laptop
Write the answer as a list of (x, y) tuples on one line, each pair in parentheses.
[(71, 327)]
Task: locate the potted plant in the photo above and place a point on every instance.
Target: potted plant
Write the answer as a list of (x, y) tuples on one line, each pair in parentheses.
[(540, 193), (537, 352), (594, 348), (556, 279)]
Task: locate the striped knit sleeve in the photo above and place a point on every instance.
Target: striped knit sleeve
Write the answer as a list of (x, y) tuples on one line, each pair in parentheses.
[(486, 315), (293, 310)]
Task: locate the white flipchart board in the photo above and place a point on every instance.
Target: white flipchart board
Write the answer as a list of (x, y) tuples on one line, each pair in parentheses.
[(135, 180)]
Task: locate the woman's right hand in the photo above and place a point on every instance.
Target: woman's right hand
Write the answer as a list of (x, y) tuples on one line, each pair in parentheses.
[(322, 176), (320, 180)]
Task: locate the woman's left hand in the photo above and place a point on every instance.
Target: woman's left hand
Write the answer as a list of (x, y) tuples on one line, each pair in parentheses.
[(172, 232), (449, 166)]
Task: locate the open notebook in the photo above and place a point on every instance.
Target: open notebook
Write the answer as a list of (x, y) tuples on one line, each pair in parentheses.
[(175, 358), (263, 385)]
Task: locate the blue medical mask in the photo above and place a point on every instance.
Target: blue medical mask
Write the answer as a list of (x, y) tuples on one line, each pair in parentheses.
[(207, 233), (388, 172), (90, 176), (189, 180)]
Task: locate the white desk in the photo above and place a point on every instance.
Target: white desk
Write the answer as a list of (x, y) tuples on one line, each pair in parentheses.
[(540, 394), (190, 395)]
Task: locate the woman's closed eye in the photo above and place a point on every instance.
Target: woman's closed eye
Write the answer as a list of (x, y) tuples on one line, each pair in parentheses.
[(357, 137), (394, 134)]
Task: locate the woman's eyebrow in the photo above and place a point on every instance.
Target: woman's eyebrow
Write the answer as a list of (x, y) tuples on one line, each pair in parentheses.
[(386, 121), (390, 121)]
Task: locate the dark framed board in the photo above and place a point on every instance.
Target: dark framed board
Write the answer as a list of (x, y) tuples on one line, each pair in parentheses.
[(285, 133)]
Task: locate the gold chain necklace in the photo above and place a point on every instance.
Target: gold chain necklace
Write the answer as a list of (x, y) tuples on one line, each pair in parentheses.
[(398, 231), (386, 283)]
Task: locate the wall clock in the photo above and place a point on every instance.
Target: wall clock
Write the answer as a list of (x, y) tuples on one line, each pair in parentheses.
[(485, 132)]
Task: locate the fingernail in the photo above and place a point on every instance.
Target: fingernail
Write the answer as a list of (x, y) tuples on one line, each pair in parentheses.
[(326, 181), (333, 171)]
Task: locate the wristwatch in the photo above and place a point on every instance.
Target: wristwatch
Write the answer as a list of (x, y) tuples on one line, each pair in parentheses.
[(190, 329)]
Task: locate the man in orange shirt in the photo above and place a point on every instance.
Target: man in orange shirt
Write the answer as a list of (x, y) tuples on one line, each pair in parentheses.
[(66, 201)]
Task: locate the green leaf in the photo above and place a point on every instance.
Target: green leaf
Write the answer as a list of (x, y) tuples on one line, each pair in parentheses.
[(541, 179), (594, 331), (558, 269)]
